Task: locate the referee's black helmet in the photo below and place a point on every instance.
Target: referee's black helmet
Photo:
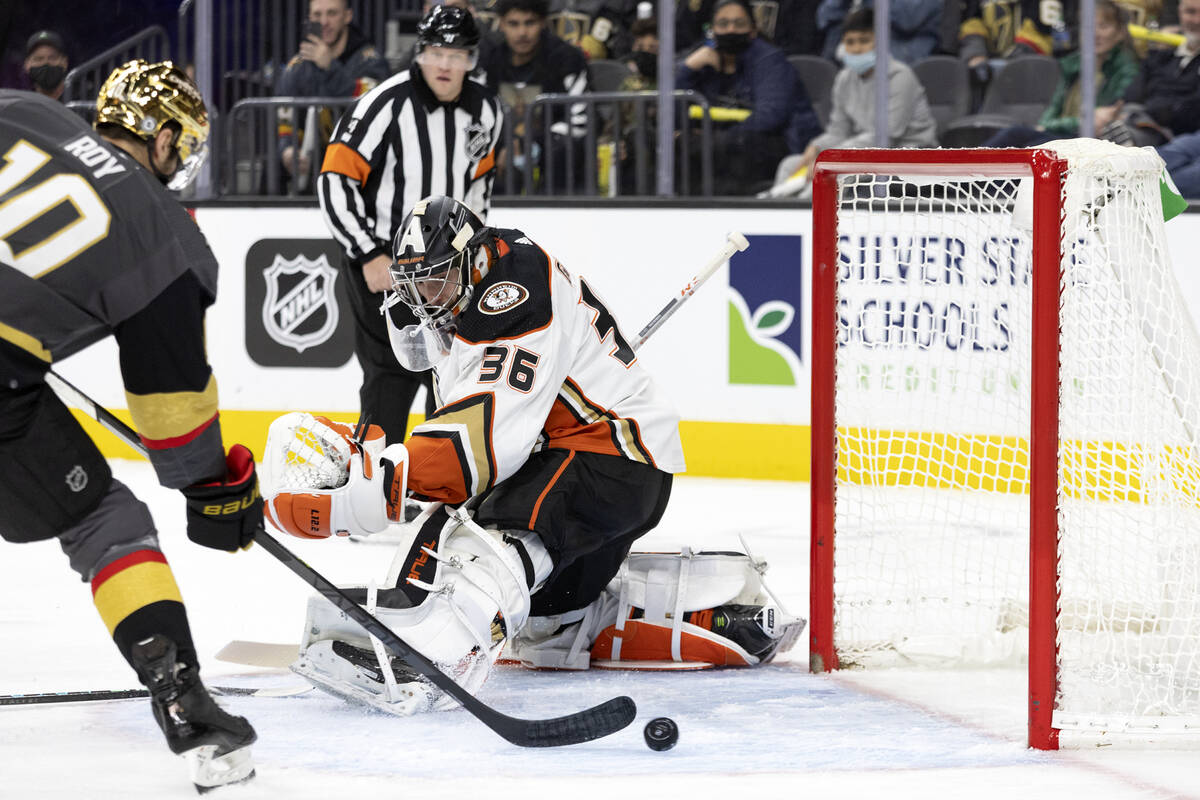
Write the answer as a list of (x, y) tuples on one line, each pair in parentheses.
[(448, 26)]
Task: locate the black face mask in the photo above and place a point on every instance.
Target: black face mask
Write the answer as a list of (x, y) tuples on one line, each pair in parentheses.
[(733, 44), (646, 63), (47, 77)]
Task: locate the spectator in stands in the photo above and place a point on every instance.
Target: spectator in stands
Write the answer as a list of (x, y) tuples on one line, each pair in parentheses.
[(1164, 100), (916, 26), (741, 71), (643, 76), (790, 25), (1001, 29), (46, 63), (594, 26), (852, 118), (528, 60), (1182, 157), (337, 61), (1118, 66)]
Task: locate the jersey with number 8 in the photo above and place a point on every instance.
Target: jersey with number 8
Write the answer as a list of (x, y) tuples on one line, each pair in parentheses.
[(537, 361)]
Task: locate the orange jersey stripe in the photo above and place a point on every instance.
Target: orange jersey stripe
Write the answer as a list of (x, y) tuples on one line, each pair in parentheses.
[(345, 160), (553, 480), (436, 470), (485, 166)]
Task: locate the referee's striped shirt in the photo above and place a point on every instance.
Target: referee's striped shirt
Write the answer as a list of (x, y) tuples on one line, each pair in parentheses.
[(399, 144)]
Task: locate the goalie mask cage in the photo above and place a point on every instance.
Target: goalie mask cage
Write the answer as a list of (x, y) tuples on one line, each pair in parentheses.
[(1004, 416)]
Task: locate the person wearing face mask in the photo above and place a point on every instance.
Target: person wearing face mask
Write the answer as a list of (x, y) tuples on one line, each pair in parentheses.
[(46, 63), (1165, 93), (852, 118), (1116, 65), (736, 69)]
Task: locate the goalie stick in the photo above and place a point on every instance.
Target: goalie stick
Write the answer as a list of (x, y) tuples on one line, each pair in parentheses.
[(734, 242), (582, 726)]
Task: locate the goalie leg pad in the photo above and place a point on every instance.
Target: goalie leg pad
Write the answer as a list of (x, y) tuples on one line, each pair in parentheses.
[(463, 591), (668, 611)]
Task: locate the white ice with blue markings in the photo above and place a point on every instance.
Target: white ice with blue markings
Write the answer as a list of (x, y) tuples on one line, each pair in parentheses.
[(772, 732)]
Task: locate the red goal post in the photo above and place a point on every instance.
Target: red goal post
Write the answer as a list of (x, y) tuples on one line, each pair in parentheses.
[(930, 269)]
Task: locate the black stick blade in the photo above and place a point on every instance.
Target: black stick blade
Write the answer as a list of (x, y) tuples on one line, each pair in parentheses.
[(582, 726)]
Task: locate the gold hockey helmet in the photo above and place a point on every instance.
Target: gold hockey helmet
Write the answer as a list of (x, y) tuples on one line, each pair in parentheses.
[(142, 97)]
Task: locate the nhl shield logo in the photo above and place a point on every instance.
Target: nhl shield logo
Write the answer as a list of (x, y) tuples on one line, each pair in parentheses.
[(300, 310), (477, 141)]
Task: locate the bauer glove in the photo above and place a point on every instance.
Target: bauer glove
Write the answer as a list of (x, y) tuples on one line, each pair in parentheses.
[(226, 515)]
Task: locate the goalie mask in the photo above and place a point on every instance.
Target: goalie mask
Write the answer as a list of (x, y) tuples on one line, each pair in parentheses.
[(439, 258), (142, 97)]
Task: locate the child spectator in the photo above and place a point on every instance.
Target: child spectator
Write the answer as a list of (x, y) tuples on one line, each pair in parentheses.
[(852, 119)]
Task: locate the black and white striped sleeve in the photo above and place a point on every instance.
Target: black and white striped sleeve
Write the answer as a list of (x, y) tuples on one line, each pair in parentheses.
[(358, 149)]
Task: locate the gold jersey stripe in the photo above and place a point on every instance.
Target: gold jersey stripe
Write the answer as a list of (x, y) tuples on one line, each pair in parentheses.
[(24, 341), (133, 588), (166, 415)]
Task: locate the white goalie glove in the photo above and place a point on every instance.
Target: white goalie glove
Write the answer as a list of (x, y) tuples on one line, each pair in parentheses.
[(321, 479)]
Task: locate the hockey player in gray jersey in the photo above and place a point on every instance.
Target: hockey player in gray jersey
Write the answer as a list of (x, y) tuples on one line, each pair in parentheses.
[(92, 245)]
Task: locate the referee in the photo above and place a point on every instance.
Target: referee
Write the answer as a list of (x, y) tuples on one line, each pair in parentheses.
[(426, 131)]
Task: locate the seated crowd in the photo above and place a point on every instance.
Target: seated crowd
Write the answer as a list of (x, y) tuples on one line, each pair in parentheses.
[(752, 62)]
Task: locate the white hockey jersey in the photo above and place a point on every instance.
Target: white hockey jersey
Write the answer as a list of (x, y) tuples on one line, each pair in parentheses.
[(537, 361)]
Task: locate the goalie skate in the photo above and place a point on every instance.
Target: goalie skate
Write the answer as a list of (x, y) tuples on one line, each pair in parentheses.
[(355, 675)]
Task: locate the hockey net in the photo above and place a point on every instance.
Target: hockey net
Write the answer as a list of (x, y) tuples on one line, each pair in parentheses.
[(1005, 416)]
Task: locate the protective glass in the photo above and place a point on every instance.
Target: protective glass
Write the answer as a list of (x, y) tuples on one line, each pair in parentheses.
[(449, 57)]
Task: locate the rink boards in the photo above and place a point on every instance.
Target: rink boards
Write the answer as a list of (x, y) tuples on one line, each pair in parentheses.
[(735, 359)]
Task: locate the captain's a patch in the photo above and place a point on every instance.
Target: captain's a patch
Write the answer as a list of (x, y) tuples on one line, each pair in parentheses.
[(502, 297)]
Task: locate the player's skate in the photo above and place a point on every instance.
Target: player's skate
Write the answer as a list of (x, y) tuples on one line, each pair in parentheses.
[(216, 744), (463, 590), (667, 611)]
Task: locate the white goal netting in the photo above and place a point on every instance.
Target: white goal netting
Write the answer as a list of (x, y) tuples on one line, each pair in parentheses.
[(933, 412)]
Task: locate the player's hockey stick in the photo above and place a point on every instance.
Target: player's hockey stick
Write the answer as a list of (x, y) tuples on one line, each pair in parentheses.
[(582, 726), (734, 243), (96, 695)]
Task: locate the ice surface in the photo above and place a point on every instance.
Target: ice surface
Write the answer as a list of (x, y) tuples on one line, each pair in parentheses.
[(771, 732)]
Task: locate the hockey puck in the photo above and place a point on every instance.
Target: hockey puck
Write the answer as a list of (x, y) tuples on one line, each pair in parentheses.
[(661, 733)]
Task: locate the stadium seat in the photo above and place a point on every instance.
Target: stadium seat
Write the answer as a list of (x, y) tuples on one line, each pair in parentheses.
[(607, 74), (817, 74), (947, 87), (1017, 95)]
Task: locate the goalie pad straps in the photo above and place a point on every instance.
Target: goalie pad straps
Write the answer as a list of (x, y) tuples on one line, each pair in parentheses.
[(667, 611)]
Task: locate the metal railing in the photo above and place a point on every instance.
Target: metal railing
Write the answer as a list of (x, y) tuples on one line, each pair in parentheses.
[(567, 120), (607, 123), (83, 82), (255, 39), (250, 163)]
